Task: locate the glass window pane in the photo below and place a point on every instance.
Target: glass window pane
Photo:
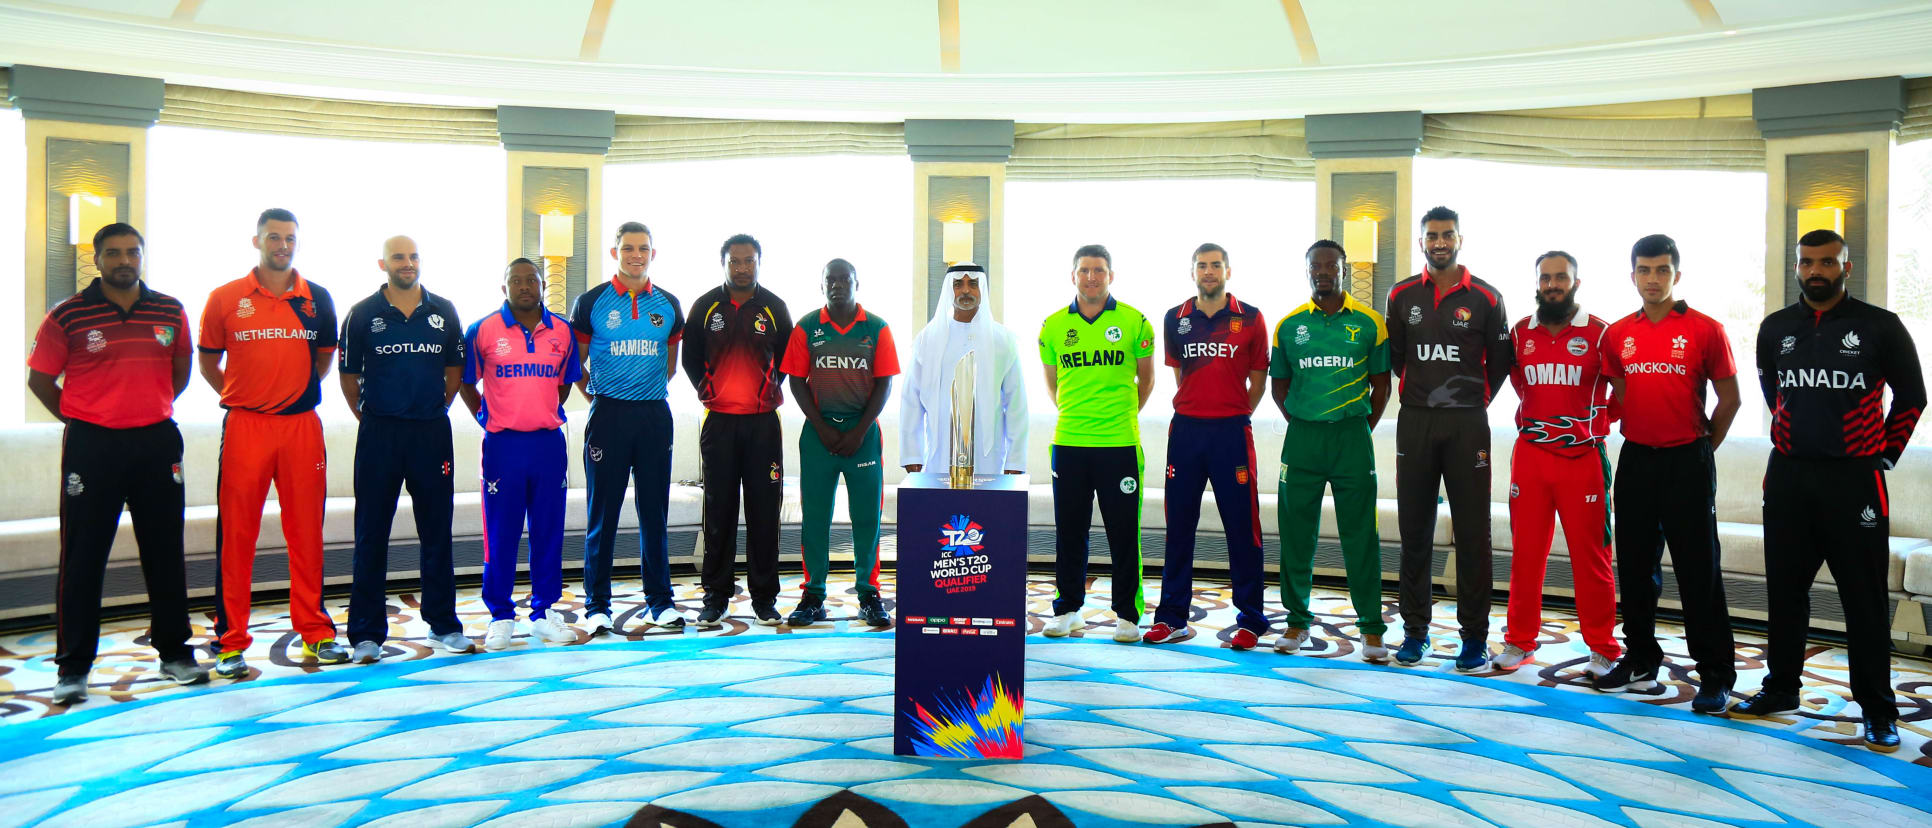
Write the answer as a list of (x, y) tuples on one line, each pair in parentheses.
[(1911, 266), (13, 265)]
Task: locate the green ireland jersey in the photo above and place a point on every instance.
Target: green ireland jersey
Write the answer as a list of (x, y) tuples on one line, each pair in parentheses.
[(1328, 359), (1098, 363)]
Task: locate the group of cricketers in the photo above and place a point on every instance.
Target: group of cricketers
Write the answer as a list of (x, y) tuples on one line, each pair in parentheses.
[(111, 360)]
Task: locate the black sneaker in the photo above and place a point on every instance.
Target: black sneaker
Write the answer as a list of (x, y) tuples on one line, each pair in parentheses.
[(1881, 736), (872, 612), (1766, 703), (808, 612), (1711, 700), (1625, 678), (766, 615), (711, 616)]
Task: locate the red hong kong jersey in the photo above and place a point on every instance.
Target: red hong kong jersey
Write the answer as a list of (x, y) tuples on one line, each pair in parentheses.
[(1566, 399), (1665, 367)]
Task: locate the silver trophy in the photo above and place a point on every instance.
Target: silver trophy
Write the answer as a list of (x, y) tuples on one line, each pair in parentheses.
[(960, 435)]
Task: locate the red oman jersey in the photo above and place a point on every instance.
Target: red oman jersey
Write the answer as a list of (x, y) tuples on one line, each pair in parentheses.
[(1558, 377)]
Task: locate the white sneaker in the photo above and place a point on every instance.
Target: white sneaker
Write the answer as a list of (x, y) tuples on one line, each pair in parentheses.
[(1291, 641), (668, 617), (550, 629), (1511, 658), (1125, 631), (599, 623), (499, 635), (1599, 664), (1063, 625)]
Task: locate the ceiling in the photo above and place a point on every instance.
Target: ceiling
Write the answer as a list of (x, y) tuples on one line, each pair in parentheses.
[(1030, 60)]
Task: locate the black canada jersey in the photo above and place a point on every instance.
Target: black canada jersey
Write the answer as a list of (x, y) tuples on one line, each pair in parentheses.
[(1451, 349), (1824, 377)]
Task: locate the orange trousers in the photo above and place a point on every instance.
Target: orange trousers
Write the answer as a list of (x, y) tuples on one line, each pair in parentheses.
[(257, 449)]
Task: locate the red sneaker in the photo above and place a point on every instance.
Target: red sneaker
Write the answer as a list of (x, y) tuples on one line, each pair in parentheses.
[(1244, 639), (1163, 634)]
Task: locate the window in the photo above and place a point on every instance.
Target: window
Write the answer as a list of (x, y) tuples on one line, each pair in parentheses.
[(1511, 213), (1152, 228), (207, 187), (13, 263), (1911, 266)]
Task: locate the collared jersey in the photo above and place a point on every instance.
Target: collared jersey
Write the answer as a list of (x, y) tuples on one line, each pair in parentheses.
[(1564, 398), (520, 370), (733, 350), (1824, 377), (400, 360), (1664, 367), (1450, 348), (1098, 363), (840, 364), (627, 338), (1215, 354), (271, 342), (119, 364), (1328, 358)]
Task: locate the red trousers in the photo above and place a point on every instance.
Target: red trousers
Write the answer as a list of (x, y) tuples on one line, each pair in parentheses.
[(1544, 485), (255, 450)]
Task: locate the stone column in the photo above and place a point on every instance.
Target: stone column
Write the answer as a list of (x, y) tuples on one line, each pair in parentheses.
[(87, 142), (1365, 170), (555, 162), (958, 187)]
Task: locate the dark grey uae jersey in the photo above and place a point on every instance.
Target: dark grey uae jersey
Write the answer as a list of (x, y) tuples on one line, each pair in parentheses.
[(1451, 349)]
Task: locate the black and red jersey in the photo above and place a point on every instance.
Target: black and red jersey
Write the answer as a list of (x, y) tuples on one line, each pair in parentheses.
[(733, 350), (1215, 355), (1565, 399), (1450, 348), (1824, 377), (118, 363)]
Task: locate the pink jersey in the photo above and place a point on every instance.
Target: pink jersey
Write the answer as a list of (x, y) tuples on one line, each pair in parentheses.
[(520, 370)]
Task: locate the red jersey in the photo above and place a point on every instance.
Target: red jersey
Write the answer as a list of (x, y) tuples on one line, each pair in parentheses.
[(119, 365), (1215, 354), (1566, 399), (1665, 367)]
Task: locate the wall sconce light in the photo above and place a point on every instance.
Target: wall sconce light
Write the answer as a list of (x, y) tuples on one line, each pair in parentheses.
[(87, 213), (1359, 237), (556, 242), (956, 243), (1821, 218)]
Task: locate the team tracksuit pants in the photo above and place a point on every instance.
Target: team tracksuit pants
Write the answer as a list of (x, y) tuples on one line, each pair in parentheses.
[(1218, 450), (626, 441), (1445, 448), (741, 450), (818, 479), (256, 450), (103, 469), (1545, 486), (523, 481), (392, 452), (1341, 456), (1669, 495), (1833, 512), (1111, 474)]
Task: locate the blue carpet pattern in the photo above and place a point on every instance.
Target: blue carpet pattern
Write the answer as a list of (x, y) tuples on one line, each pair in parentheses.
[(796, 731)]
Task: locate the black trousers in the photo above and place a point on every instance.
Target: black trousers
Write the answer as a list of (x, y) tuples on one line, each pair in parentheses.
[(391, 453), (741, 450), (1113, 476), (1836, 513), (1437, 449), (1669, 496), (102, 470)]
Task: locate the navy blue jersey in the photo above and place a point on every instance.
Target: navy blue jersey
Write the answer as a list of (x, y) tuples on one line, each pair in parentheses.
[(401, 359)]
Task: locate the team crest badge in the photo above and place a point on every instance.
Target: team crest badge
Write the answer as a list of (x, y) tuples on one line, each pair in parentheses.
[(758, 324), (1129, 485), (1529, 346), (1578, 346), (1234, 325), (177, 472), (657, 320), (1241, 475), (1113, 333), (1186, 325), (378, 325), (1514, 491), (1352, 331), (164, 334), (436, 321), (596, 455), (777, 473), (556, 347), (1482, 458), (1462, 318)]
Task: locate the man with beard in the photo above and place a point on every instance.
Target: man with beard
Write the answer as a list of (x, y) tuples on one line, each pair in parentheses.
[(841, 363), (277, 332), (1559, 467), (1823, 365), (999, 391), (1217, 346), (525, 359), (1449, 344), (120, 354), (738, 331), (628, 330), (1659, 360), (1331, 381), (401, 362)]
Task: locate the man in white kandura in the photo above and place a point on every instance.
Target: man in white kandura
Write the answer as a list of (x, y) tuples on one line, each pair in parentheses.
[(925, 407)]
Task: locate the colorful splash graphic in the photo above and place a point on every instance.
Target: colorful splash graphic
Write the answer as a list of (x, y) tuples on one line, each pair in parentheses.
[(961, 536), (983, 725)]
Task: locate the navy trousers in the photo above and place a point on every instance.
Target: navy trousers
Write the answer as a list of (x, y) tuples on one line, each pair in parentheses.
[(1220, 451), (627, 441), (392, 453)]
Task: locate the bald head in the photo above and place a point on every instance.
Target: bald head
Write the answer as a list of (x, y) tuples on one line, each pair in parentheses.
[(401, 262)]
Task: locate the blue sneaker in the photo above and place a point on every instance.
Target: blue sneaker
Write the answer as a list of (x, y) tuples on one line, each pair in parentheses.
[(1474, 657), (1411, 651)]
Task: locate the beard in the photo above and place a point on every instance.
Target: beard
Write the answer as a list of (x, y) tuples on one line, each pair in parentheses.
[(1825, 292), (1551, 312), (403, 281), (122, 278)]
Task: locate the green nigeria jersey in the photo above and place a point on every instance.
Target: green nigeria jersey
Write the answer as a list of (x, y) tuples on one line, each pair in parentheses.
[(1098, 364), (1328, 358)]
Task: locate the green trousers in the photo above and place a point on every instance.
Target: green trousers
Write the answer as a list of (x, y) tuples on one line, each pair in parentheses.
[(1338, 455), (818, 480)]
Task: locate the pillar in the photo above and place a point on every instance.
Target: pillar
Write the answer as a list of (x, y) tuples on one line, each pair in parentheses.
[(555, 162), (1365, 171), (1829, 146), (958, 188), (87, 141)]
